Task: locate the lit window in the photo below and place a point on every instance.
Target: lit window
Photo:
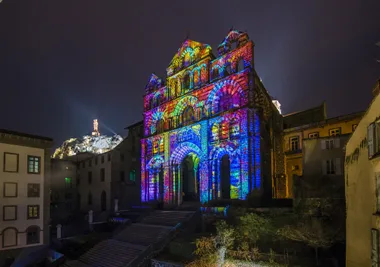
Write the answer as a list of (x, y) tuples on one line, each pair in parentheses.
[(224, 130), (34, 164), (33, 211), (334, 132), (161, 145), (132, 176), (313, 135), (294, 143)]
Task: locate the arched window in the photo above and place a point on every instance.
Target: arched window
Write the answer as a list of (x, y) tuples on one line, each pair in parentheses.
[(188, 115), (204, 75), (224, 130), (225, 103), (240, 65), (215, 73), (155, 147), (214, 132), (234, 45), (89, 199), (9, 237), (187, 59), (196, 78), (227, 70), (161, 146), (173, 91), (160, 126), (103, 201), (234, 128), (186, 81), (33, 235)]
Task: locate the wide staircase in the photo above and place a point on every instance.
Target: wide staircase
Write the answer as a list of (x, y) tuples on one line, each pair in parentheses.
[(137, 243)]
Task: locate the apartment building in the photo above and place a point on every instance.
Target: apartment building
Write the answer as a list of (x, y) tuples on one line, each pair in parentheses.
[(24, 190)]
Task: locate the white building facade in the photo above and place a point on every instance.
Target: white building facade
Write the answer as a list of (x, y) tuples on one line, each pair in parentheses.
[(24, 190)]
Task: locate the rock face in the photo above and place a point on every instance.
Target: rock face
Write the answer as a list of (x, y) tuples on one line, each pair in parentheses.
[(88, 143)]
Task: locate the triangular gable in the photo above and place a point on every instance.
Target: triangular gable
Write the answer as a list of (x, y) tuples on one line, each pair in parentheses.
[(155, 82), (189, 53)]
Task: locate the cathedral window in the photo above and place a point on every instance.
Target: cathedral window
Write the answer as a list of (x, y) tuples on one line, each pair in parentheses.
[(188, 116), (186, 81), (161, 145), (214, 133), (225, 103), (224, 130), (234, 129), (240, 65), (155, 147), (160, 126), (215, 73), (196, 78)]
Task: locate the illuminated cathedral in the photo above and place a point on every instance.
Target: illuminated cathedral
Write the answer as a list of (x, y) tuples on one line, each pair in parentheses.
[(210, 127)]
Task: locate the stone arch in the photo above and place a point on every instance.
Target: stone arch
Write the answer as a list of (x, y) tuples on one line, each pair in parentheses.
[(185, 102), (182, 150), (154, 187), (227, 88), (9, 237)]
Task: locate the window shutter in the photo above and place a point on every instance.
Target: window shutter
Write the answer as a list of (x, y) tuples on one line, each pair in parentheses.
[(377, 180), (338, 167), (323, 144), (336, 143), (324, 167), (375, 248), (370, 137)]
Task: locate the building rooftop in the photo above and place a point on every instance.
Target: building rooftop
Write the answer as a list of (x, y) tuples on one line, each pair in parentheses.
[(32, 136)]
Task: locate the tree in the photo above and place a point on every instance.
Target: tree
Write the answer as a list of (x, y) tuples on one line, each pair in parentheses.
[(252, 227), (319, 223)]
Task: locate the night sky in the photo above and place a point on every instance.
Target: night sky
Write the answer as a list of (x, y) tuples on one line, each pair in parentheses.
[(64, 63)]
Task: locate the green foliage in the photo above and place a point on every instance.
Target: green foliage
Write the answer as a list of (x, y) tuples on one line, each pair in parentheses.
[(252, 227)]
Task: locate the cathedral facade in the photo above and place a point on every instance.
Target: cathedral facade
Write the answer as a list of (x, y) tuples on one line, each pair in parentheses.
[(209, 127)]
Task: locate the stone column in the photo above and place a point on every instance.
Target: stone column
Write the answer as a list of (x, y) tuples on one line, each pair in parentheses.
[(59, 231)]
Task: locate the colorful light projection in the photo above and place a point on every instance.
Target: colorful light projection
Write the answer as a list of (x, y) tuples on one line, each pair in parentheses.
[(204, 118)]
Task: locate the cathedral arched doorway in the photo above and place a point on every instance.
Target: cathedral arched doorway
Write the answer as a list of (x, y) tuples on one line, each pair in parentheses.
[(225, 177), (190, 178)]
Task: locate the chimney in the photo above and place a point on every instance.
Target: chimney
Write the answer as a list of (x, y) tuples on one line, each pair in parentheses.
[(376, 88)]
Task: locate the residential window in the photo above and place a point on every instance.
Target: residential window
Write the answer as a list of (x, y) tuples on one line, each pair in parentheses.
[(83, 164), (10, 162), (121, 157), (332, 166), (109, 157), (33, 190), (354, 127), (102, 174), (68, 183), (89, 177), (32, 235), (313, 135), (329, 144), (9, 213), (377, 181), (33, 211), (10, 189), (334, 132), (132, 176), (90, 163), (34, 164), (373, 139), (96, 160), (294, 143), (375, 247), (122, 176), (78, 181), (89, 200), (102, 159)]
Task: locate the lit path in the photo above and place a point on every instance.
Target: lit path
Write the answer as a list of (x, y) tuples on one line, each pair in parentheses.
[(137, 243)]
